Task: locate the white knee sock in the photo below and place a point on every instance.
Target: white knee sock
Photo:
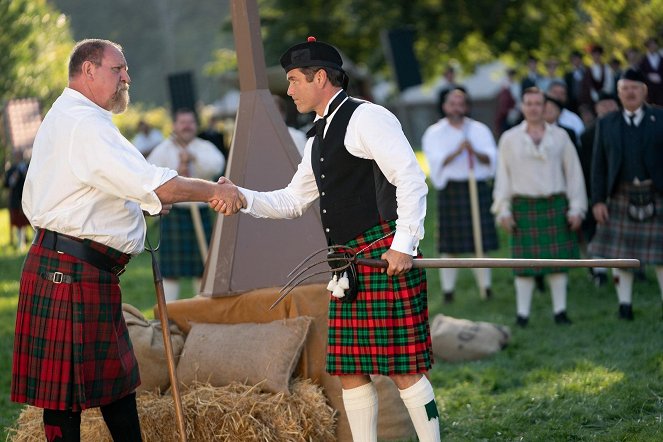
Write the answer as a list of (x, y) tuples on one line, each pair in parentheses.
[(524, 290), (171, 289), (448, 277), (361, 407), (624, 285), (659, 276), (558, 283), (419, 400), (482, 276)]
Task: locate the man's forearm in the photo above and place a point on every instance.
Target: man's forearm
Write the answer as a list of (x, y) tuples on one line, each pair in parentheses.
[(180, 189)]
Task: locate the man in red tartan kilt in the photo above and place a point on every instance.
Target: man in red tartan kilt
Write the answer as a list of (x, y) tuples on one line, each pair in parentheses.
[(627, 186), (372, 194), (84, 193)]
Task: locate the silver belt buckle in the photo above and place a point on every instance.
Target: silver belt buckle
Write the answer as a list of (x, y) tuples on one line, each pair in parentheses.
[(58, 277)]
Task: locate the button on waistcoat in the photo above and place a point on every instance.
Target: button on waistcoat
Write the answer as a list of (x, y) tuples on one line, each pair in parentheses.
[(354, 193)]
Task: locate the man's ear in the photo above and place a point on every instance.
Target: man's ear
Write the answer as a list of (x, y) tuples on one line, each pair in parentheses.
[(320, 77), (88, 70)]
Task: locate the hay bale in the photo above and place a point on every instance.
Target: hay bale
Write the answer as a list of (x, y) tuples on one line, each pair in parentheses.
[(231, 413)]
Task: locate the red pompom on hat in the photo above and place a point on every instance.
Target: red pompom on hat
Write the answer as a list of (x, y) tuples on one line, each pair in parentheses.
[(311, 53)]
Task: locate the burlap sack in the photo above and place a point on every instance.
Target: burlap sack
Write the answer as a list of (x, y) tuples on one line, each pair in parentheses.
[(464, 340), (251, 353), (147, 339)]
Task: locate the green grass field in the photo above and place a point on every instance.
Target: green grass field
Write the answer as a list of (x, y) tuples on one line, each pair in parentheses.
[(599, 379)]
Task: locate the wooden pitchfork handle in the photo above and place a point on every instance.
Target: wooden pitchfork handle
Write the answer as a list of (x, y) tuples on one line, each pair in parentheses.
[(439, 263), (168, 345)]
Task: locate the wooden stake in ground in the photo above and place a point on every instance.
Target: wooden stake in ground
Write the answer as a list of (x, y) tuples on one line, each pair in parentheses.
[(200, 231), (167, 343), (476, 218)]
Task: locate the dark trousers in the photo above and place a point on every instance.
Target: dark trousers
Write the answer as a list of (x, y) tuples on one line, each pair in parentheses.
[(121, 418)]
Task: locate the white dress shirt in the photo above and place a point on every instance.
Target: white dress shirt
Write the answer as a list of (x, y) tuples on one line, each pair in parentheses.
[(299, 137), (206, 160), (441, 140), (373, 133), (86, 180), (525, 169)]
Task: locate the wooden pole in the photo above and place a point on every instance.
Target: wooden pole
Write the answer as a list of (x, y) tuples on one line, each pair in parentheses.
[(472, 263), (168, 345), (476, 218), (200, 231)]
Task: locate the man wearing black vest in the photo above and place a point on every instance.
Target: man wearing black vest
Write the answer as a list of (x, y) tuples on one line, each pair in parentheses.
[(372, 194), (627, 186)]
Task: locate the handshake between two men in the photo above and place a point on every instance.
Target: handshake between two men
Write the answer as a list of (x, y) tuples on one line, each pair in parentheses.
[(222, 196)]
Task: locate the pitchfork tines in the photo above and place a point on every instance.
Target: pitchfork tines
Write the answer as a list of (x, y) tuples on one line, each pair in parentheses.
[(307, 268)]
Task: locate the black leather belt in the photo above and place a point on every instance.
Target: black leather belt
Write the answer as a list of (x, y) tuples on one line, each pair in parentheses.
[(78, 249)]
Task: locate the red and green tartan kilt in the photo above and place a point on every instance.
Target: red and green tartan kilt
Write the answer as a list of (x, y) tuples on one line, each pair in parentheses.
[(622, 237), (71, 346), (542, 232), (385, 330), (179, 254), (454, 218)]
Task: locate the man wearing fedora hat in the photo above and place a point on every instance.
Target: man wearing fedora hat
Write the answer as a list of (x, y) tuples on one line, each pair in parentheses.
[(372, 196), (627, 185)]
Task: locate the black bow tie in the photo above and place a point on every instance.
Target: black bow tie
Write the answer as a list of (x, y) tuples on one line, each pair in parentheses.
[(318, 128)]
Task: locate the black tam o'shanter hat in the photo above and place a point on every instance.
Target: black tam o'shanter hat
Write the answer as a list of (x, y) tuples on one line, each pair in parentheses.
[(633, 75), (311, 53)]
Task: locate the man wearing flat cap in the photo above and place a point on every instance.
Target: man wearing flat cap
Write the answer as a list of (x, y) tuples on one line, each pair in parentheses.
[(627, 186), (372, 195)]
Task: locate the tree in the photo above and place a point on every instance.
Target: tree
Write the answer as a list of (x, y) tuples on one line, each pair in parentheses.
[(468, 31), (35, 43)]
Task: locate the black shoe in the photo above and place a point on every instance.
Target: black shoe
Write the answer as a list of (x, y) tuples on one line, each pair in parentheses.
[(562, 319), (600, 279), (522, 321), (448, 297), (540, 283), (489, 293), (626, 312)]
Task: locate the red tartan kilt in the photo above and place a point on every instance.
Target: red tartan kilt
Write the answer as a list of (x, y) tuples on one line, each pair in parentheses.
[(71, 346), (385, 330)]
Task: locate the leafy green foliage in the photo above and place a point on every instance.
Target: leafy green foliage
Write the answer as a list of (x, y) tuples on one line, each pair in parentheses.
[(466, 31), (35, 43)]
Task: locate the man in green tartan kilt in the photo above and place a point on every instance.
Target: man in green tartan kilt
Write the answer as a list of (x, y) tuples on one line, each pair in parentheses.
[(372, 195), (540, 199)]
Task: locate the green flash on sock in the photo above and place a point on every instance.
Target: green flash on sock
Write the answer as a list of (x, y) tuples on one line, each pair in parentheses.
[(431, 410)]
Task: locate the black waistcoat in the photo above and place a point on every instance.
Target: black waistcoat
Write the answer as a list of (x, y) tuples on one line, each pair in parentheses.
[(633, 158), (354, 193)]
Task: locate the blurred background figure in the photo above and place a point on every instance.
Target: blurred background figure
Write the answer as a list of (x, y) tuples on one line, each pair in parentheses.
[(298, 137), (606, 104), (452, 146), (181, 254), (507, 113), (14, 181), (652, 66), (540, 200), (598, 78), (448, 85), (214, 135), (551, 74), (627, 186), (146, 138), (574, 79), (567, 118)]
